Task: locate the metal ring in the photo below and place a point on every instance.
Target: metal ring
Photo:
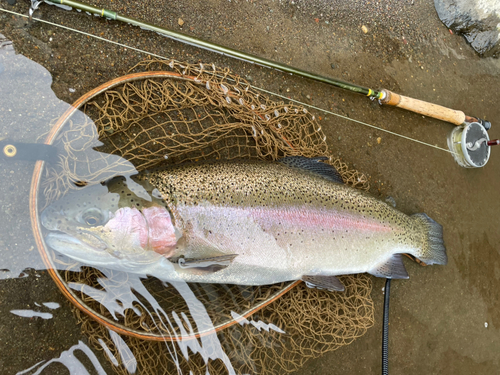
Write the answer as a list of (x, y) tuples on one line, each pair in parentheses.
[(10, 151)]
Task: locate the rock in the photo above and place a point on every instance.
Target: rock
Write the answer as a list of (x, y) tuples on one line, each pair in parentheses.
[(477, 20)]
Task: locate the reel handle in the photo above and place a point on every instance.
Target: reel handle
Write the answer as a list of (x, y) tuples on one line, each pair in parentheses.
[(494, 142)]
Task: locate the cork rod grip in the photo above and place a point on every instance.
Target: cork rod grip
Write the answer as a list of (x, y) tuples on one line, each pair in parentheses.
[(424, 108)]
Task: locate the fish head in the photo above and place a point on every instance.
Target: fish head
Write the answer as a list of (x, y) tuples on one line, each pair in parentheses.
[(109, 225), (86, 208)]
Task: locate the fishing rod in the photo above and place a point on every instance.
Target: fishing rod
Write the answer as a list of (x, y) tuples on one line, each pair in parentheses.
[(383, 96)]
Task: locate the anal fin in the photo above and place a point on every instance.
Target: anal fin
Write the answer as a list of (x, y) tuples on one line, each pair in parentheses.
[(391, 269), (323, 282)]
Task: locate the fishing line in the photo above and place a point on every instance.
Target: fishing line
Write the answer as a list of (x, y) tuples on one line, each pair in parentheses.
[(84, 33), (254, 87), (353, 120)]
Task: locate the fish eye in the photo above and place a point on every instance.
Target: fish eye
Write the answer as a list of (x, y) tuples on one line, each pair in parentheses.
[(93, 217)]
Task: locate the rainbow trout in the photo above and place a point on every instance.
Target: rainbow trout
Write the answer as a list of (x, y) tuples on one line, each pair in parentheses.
[(241, 222)]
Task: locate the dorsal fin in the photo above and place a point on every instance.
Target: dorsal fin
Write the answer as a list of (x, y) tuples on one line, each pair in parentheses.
[(313, 165)]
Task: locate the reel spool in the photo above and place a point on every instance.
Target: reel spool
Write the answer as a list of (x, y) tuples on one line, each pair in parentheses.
[(471, 145)]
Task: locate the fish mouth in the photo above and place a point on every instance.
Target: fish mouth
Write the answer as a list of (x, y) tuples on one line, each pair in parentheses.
[(72, 246)]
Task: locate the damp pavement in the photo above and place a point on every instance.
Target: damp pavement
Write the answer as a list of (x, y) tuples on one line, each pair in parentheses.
[(444, 320)]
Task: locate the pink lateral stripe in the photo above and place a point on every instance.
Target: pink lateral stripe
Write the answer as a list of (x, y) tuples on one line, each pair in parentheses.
[(299, 217), (306, 218)]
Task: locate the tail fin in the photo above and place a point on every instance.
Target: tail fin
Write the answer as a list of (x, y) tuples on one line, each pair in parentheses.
[(432, 250)]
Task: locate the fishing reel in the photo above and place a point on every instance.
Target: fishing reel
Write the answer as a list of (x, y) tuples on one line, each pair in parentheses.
[(470, 143)]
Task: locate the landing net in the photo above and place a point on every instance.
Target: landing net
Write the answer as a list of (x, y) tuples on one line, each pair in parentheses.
[(166, 112)]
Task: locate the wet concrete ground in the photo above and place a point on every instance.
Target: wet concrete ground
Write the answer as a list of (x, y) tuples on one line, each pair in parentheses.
[(443, 319)]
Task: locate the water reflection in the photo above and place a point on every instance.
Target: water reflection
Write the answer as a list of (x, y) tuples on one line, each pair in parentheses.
[(27, 107), (118, 294), (140, 322), (40, 314), (126, 355), (70, 361)]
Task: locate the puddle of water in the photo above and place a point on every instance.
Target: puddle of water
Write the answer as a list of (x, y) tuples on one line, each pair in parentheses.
[(27, 107)]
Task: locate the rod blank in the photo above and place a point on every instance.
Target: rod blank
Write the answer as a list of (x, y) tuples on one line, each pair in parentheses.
[(385, 96)]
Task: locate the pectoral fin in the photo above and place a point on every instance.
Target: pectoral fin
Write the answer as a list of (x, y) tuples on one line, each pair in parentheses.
[(212, 264), (391, 269), (324, 282)]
